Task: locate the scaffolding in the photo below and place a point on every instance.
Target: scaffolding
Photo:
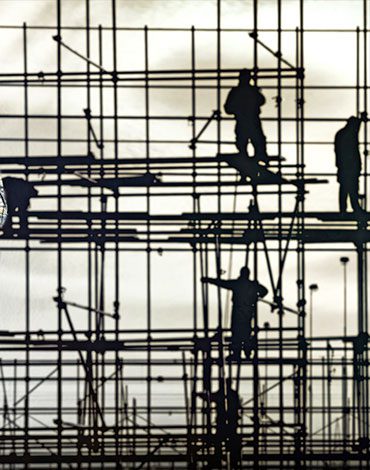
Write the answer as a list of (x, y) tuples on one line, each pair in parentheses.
[(105, 379)]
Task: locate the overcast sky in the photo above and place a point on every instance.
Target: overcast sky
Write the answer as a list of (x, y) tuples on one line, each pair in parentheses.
[(329, 60)]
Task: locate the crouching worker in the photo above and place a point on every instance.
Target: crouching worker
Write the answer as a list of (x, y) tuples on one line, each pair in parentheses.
[(228, 414), (18, 193)]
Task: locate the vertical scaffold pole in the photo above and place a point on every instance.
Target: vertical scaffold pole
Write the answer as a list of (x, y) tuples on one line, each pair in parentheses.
[(116, 226), (279, 287), (148, 249), (27, 252), (59, 246), (255, 385), (365, 273), (301, 283)]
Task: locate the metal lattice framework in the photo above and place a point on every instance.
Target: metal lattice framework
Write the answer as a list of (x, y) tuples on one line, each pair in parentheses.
[(102, 383)]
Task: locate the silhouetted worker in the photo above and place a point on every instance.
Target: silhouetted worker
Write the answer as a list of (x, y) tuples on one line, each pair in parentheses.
[(245, 101), (18, 193), (245, 296), (348, 162), (228, 415)]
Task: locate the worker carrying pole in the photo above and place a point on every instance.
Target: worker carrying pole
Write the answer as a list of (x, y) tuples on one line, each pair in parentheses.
[(245, 101), (348, 162), (245, 294)]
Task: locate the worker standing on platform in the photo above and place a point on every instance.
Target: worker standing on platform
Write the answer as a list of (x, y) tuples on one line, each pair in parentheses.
[(245, 296), (348, 162), (228, 415), (245, 101)]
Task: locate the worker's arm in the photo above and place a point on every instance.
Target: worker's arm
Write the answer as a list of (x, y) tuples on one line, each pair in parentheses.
[(262, 291), (218, 282)]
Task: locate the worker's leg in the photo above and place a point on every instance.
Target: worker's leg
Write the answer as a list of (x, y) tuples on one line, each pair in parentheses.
[(236, 347), (258, 140), (236, 338), (343, 194), (218, 443), (248, 348), (236, 341), (353, 195), (235, 446), (242, 138), (248, 343), (23, 216)]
